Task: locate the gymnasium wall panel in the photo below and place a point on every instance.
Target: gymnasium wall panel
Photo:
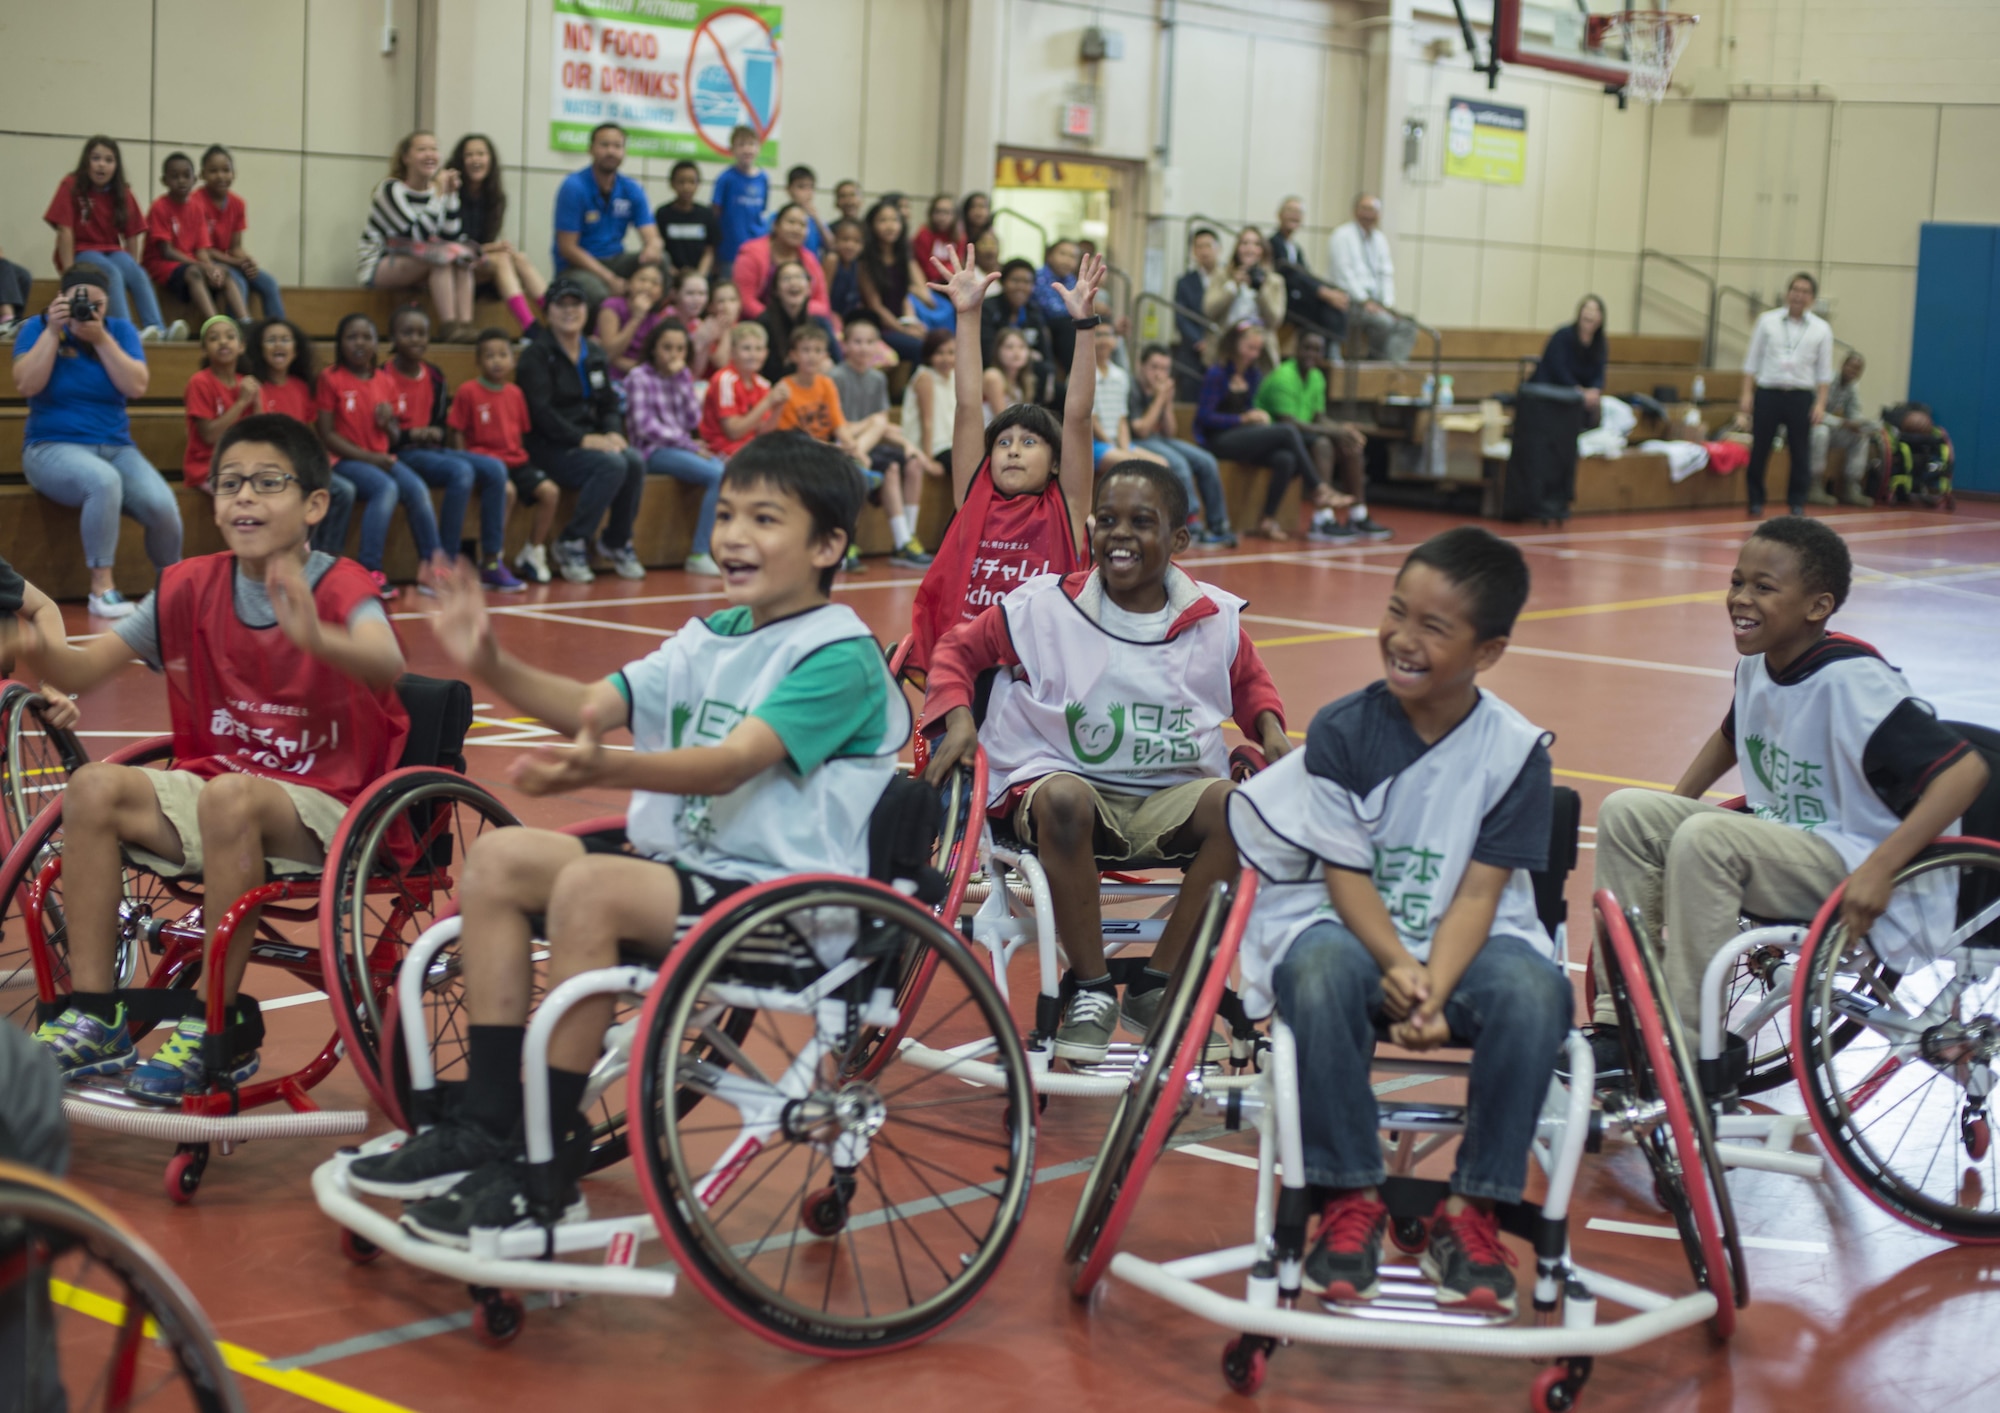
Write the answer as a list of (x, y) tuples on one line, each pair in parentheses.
[(1285, 97), (1968, 169), (1684, 178), (333, 210), (259, 104), (1871, 216), (1507, 277), (1570, 145), (1871, 311), (1448, 295), (83, 61), (901, 128), (1774, 182), (357, 99), (1562, 279), (1623, 144), (834, 83)]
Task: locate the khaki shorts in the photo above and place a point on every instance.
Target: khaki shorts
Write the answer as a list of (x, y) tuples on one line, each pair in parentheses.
[(179, 792), (1128, 826)]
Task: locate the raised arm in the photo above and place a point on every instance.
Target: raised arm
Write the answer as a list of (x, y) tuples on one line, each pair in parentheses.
[(1078, 433), (965, 286), (48, 658), (1710, 764)]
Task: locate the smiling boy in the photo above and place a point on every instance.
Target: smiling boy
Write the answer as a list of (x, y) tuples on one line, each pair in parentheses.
[(763, 736), (1416, 809), (1103, 733), (1847, 775), (281, 670)]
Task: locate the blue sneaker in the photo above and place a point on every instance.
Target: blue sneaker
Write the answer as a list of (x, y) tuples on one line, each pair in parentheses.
[(85, 1046), (175, 1069)]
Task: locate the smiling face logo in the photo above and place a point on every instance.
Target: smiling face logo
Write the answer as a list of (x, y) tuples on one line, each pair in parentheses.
[(1094, 744)]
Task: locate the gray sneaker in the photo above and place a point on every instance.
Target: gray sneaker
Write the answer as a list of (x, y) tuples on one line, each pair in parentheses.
[(1088, 1023), (1140, 1010), (572, 561), (625, 563)]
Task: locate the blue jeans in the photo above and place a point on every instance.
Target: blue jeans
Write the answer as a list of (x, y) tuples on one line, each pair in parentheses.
[(106, 481), (330, 535), (126, 279), (457, 472), (1512, 1006), (696, 470), (1198, 472), (265, 286), (380, 490)]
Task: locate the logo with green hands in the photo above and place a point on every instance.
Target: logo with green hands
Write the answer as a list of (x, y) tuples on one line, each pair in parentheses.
[(1073, 717)]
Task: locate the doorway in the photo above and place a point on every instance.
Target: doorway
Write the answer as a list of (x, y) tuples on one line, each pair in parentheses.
[(1042, 197)]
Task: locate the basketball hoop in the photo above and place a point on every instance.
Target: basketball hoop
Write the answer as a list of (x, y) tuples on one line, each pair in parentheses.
[(1652, 41)]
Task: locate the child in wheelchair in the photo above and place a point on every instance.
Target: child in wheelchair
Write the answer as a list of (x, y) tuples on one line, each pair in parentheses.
[(1847, 775), (1918, 456), (22, 601), (1424, 803), (1104, 732), (763, 736), (281, 669)]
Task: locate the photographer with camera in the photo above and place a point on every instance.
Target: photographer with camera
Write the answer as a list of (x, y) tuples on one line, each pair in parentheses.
[(78, 368), (1249, 290)]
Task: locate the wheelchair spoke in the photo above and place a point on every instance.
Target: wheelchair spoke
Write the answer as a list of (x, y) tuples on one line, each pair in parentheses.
[(894, 1219), (792, 1208), (860, 1278), (949, 1208)]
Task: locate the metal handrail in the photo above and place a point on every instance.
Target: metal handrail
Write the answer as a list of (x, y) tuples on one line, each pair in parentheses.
[(1757, 308), (1175, 312), (1639, 295), (1197, 219), (1112, 272), (1040, 229)]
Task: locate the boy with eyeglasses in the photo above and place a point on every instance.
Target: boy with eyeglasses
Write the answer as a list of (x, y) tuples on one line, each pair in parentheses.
[(281, 669)]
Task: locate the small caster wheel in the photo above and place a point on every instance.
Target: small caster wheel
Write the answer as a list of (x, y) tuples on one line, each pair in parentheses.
[(1409, 1234), (184, 1170), (1555, 1391), (356, 1248), (497, 1319), (1244, 1364), (1978, 1136), (824, 1212)]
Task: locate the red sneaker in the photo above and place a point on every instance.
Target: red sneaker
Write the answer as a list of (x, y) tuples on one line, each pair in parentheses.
[(1341, 1266), (1467, 1263)]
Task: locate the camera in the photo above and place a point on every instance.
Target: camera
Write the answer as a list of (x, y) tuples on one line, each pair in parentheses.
[(1256, 277), (81, 310)]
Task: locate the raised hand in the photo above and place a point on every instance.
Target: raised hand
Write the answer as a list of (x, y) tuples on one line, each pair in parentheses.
[(1081, 301), (292, 602), (458, 614), (964, 283), (561, 768)]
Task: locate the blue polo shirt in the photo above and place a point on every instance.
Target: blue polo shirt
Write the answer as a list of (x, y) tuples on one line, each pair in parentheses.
[(80, 403), (739, 202), (599, 221)]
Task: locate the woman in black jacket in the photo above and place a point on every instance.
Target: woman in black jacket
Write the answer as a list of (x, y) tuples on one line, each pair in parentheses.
[(1577, 354), (576, 436)]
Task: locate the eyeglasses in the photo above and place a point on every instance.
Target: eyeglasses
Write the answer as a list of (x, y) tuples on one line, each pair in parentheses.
[(264, 483)]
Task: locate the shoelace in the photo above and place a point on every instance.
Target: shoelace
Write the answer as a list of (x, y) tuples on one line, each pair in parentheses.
[(1088, 1006), (182, 1047), (1478, 1236), (1349, 1223)]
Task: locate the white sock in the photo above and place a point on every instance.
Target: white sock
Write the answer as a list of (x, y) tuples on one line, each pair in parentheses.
[(899, 527), (1356, 513)]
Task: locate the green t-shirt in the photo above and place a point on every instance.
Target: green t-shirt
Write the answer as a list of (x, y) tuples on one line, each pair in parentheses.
[(1284, 393), (832, 704)]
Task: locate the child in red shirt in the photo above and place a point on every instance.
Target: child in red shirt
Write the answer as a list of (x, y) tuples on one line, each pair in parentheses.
[(740, 403), (97, 219), (356, 410), (217, 396), (177, 242), (490, 416), (227, 220), (280, 356)]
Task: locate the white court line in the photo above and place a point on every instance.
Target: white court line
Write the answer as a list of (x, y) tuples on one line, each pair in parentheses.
[(1218, 1155), (550, 616), (304, 998), (1756, 1243)]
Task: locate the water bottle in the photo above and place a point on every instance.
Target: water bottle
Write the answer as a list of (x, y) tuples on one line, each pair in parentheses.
[(1430, 387), (1444, 391), (1700, 388)]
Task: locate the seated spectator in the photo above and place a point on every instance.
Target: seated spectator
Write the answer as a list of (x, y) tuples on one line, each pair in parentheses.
[(482, 219), (1310, 302), (1295, 396), (356, 412), (426, 442), (1014, 307), (1191, 295), (576, 435), (940, 228), (279, 356), (720, 315), (790, 309), (490, 418), (1577, 355), (801, 186), (1846, 429), (15, 283), (740, 195), (1011, 377), (986, 252), (1249, 290), (413, 237), (975, 219), (1154, 424), (1057, 274), (843, 269), (1109, 405), (595, 207), (97, 221), (77, 375), (847, 199), (1360, 262), (663, 419), (1229, 423), (178, 258), (218, 396), (864, 402), (228, 218), (688, 230), (741, 402), (930, 398), (758, 260), (624, 320), (890, 280)]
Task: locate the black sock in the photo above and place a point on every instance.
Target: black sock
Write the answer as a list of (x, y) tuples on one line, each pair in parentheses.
[(1098, 983), (102, 1004), (566, 1102), (1147, 980), (493, 1077)]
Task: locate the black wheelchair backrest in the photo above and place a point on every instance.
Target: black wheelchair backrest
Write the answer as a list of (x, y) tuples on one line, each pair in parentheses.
[(1979, 887), (1566, 811), (440, 711), (902, 834)]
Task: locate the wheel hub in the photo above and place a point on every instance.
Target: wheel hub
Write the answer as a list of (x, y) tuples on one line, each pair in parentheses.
[(855, 1110), (1955, 1043)]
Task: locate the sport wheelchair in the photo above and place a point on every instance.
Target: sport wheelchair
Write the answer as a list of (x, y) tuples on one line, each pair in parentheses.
[(36, 759), (388, 874), (819, 1194), (1659, 1110)]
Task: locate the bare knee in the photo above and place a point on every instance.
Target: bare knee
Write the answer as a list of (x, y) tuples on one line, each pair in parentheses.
[(1065, 813), (509, 866), (96, 795), (227, 806)]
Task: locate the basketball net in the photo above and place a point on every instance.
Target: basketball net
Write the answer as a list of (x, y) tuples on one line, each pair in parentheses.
[(1653, 41)]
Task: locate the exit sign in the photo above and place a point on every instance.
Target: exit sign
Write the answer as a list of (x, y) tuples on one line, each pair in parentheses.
[(1079, 120)]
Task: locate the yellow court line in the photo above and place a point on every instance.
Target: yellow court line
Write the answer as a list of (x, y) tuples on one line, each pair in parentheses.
[(252, 1365), (1305, 638), (1665, 601)]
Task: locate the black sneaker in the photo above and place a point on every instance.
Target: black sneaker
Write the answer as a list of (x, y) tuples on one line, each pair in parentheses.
[(1341, 1266), (1467, 1263), (494, 1195), (429, 1164), (1607, 1053)]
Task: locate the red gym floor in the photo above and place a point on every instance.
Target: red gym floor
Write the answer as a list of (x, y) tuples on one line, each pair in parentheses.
[(1623, 655)]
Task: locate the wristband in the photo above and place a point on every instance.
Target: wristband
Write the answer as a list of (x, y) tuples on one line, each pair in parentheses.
[(1092, 322)]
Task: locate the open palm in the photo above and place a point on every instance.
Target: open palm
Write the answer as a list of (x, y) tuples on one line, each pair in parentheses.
[(1081, 301), (964, 283)]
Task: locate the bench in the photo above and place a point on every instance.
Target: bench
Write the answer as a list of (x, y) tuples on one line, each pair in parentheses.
[(318, 309)]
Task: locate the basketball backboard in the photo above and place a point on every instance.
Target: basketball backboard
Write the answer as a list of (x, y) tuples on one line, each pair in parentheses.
[(1558, 35)]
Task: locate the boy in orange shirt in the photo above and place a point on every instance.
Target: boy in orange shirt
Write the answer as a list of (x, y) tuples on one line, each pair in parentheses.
[(740, 402), (490, 415)]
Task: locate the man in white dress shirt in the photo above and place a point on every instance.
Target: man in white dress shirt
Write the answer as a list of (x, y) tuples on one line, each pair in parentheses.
[(1358, 257), (1786, 374)]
